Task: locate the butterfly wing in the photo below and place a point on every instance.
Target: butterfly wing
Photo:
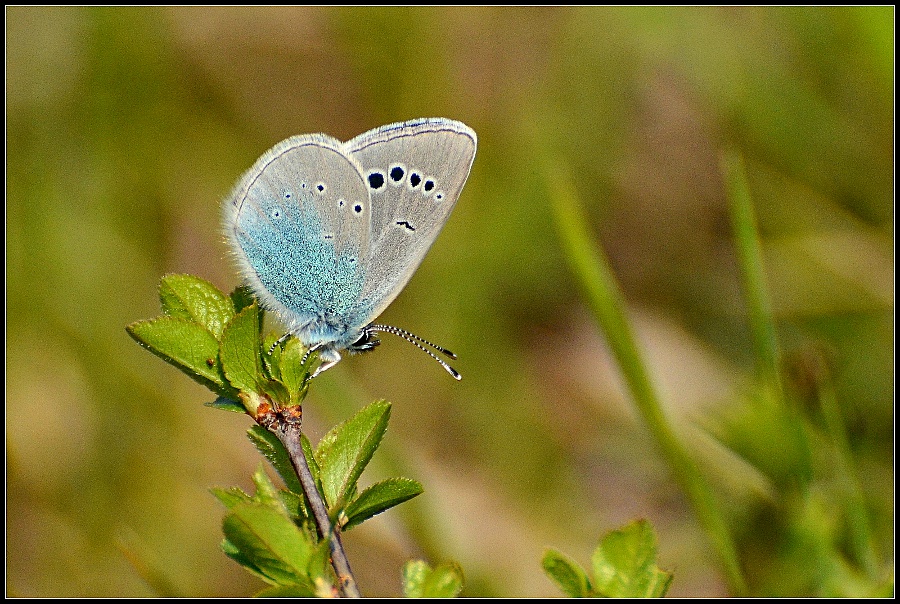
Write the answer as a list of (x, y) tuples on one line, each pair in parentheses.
[(299, 222), (414, 172)]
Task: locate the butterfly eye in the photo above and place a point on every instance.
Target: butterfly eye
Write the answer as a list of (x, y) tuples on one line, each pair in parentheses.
[(320, 187), (439, 196), (415, 180), (367, 341)]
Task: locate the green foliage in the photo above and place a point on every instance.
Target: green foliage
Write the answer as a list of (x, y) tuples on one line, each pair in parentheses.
[(379, 497), (623, 565), (337, 464), (192, 299), (336, 467), (345, 451), (188, 346), (422, 581), (567, 574), (216, 339)]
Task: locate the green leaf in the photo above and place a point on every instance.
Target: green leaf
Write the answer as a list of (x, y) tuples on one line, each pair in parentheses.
[(567, 574), (194, 299), (320, 578), (272, 544), (320, 567), (188, 346), (345, 451), (240, 351), (625, 564), (294, 373), (445, 581), (275, 391), (414, 574), (232, 551), (272, 449), (242, 298), (311, 460), (379, 497), (421, 581), (266, 493), (231, 496), (295, 504), (271, 360), (226, 404)]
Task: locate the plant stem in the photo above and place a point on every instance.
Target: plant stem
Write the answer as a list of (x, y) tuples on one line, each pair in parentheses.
[(749, 252), (288, 432), (861, 542), (759, 307)]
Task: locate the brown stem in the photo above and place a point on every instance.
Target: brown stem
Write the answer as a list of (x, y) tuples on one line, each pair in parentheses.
[(285, 424)]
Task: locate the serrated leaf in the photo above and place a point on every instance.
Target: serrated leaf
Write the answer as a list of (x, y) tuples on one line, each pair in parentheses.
[(379, 497), (625, 564), (231, 496), (275, 391), (266, 493), (293, 371), (188, 346), (232, 551), (271, 356), (226, 404), (270, 542), (421, 581), (240, 351), (195, 299), (567, 574), (241, 298), (345, 451), (311, 460), (295, 505), (320, 565), (272, 449)]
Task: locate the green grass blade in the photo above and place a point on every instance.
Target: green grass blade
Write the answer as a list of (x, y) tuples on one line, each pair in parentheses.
[(749, 253), (592, 270)]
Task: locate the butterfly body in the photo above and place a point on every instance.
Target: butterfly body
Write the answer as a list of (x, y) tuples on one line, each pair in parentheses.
[(327, 234)]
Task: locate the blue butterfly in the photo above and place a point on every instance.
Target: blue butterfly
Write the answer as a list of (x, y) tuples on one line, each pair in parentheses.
[(327, 234)]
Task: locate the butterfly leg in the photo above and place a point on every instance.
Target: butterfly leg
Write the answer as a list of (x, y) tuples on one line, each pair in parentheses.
[(329, 358)]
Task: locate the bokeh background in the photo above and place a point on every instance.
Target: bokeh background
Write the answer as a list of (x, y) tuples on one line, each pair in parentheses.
[(127, 126)]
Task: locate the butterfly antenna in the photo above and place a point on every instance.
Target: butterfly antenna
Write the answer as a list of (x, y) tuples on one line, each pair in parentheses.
[(414, 340), (407, 335)]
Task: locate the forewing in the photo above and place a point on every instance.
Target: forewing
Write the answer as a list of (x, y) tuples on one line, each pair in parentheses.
[(414, 172)]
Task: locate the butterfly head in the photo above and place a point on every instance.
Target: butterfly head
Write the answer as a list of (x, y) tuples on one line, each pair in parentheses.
[(367, 341)]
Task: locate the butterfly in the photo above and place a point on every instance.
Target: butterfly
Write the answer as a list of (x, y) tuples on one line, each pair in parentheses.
[(327, 233)]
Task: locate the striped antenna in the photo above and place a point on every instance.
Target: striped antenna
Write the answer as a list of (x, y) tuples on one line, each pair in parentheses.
[(415, 341)]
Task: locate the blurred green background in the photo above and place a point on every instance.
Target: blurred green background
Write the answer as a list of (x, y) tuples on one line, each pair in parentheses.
[(127, 126)]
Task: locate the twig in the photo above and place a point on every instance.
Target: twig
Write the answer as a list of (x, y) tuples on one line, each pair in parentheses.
[(285, 424)]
